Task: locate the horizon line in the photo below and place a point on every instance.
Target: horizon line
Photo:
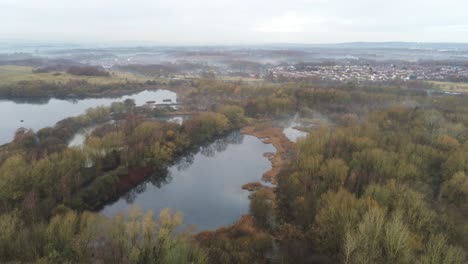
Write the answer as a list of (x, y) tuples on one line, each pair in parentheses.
[(155, 43)]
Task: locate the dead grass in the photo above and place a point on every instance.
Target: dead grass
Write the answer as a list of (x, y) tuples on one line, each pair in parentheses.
[(244, 227), (451, 86), (253, 186)]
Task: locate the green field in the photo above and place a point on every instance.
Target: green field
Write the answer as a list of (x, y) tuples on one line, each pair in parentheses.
[(13, 74)]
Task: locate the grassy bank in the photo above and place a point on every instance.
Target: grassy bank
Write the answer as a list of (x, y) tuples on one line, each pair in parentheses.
[(22, 82), (451, 87), (10, 74)]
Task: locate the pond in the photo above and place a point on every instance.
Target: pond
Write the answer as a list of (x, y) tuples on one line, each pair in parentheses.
[(291, 132), (14, 115), (205, 185)]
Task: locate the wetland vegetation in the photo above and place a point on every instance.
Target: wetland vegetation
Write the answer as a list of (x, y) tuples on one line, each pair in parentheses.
[(381, 177)]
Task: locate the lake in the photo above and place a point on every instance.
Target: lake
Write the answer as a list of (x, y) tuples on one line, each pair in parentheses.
[(205, 185), (37, 116)]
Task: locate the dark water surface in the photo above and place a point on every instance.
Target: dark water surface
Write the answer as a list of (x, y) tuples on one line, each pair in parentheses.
[(205, 186)]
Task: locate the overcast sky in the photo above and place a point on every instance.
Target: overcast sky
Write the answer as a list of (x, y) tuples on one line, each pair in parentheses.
[(234, 22)]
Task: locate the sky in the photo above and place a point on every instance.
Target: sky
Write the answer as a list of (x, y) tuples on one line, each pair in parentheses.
[(232, 22)]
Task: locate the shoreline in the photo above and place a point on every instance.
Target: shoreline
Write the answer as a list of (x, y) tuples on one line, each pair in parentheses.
[(246, 225), (271, 135), (109, 93)]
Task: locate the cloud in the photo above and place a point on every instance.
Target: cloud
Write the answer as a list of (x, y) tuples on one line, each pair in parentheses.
[(234, 21), (288, 23), (462, 28)]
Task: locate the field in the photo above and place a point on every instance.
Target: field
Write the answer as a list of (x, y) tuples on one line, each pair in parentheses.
[(451, 86), (13, 74), (221, 78)]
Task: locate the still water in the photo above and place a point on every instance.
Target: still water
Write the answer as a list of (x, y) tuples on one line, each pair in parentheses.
[(79, 138), (205, 185), (291, 132), (37, 116)]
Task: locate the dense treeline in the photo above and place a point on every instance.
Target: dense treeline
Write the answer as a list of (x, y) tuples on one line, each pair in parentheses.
[(164, 69), (70, 237), (381, 190), (386, 184), (71, 88), (267, 100), (41, 178), (25, 59), (150, 70), (88, 71), (86, 178)]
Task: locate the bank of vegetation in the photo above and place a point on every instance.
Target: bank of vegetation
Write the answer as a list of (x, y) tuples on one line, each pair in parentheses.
[(23, 82), (42, 181), (387, 183)]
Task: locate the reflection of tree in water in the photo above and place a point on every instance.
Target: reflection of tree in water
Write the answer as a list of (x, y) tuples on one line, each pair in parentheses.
[(235, 138), (186, 161), (221, 144), (35, 101), (131, 195), (208, 151), (157, 178), (162, 177)]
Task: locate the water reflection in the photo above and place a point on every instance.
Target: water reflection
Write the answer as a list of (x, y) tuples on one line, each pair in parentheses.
[(36, 116), (161, 177), (290, 129), (293, 134), (221, 144), (205, 184), (80, 137), (32, 100), (185, 162)]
